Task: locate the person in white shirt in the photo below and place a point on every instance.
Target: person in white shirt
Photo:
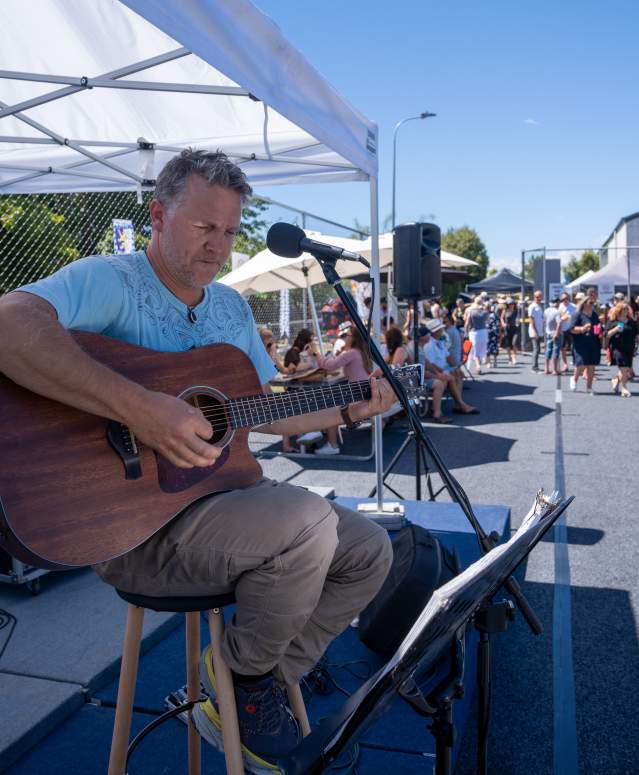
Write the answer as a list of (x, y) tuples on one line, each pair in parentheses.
[(536, 327), (552, 324), (568, 312)]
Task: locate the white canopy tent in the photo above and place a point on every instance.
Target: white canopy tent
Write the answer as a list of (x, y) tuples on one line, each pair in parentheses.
[(578, 281), (209, 73), (98, 96), (266, 271), (621, 272)]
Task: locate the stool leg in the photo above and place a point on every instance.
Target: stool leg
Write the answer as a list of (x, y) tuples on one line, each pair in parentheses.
[(126, 690), (225, 697), (296, 701), (193, 686)]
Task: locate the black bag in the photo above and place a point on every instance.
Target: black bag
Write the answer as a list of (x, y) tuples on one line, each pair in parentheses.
[(420, 565)]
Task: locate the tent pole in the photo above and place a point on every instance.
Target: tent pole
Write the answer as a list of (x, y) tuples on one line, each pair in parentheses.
[(377, 423), (522, 324), (309, 290)]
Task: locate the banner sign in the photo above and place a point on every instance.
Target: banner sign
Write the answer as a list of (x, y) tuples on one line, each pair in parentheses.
[(555, 290), (285, 314), (606, 292), (123, 236)]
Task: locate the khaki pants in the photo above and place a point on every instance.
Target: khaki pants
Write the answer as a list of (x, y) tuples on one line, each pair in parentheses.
[(302, 568)]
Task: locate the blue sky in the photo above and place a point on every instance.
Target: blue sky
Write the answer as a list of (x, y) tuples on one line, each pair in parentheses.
[(535, 139)]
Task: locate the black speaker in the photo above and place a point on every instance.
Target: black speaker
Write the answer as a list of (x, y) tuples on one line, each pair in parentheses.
[(417, 261)]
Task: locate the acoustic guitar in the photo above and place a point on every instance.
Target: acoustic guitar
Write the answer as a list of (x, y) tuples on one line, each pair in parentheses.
[(76, 489)]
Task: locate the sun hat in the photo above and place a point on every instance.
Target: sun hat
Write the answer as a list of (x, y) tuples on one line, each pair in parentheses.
[(344, 328), (435, 325), (579, 296), (620, 295)]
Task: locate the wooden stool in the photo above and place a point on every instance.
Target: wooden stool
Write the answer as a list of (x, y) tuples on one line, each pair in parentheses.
[(191, 607)]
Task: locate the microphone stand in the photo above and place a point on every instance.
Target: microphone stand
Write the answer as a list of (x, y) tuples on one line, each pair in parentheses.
[(486, 542)]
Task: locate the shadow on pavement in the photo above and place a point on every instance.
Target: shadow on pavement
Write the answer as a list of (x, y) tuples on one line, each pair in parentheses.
[(454, 444), (606, 669), (580, 536)]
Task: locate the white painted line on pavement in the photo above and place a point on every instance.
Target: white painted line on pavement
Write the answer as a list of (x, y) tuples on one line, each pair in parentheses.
[(564, 711)]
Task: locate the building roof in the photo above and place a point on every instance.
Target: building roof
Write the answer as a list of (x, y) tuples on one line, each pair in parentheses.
[(623, 220)]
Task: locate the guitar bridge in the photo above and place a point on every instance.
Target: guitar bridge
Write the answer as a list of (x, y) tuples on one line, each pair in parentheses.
[(122, 442)]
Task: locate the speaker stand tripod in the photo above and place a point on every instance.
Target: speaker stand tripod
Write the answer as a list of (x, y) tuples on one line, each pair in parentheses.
[(411, 438)]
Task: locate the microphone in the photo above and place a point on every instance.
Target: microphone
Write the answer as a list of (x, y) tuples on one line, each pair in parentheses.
[(290, 241)]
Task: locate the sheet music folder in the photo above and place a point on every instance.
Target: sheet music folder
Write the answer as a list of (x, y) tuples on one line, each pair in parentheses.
[(450, 608)]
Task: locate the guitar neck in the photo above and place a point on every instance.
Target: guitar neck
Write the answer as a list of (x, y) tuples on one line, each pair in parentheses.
[(249, 411)]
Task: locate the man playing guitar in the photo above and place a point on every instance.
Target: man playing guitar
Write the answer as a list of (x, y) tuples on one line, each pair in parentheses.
[(302, 568)]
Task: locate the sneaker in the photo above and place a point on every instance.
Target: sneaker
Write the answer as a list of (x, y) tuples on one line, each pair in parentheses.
[(589, 392), (573, 384), (307, 438), (268, 729), (327, 449)]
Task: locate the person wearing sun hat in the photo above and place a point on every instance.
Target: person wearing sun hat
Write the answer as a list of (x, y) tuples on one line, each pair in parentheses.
[(342, 332), (437, 362)]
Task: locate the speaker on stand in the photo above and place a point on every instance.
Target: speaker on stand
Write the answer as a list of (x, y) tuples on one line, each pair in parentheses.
[(417, 270), (416, 275)]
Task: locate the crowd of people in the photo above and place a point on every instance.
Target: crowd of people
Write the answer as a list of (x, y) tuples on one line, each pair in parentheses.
[(563, 330), (474, 333)]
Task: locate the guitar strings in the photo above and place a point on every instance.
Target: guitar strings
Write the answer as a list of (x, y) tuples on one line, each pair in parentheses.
[(233, 408), (245, 405)]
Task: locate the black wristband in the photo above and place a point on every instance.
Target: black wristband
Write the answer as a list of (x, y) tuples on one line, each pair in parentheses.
[(347, 419)]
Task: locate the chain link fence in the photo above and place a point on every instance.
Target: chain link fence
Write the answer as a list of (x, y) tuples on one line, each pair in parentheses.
[(40, 233)]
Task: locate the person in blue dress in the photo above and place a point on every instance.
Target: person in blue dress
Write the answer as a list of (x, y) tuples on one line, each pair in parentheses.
[(586, 342)]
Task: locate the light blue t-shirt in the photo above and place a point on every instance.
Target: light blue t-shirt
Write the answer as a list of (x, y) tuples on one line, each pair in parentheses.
[(122, 297)]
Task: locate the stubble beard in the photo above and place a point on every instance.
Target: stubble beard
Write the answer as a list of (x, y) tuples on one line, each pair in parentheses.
[(174, 265)]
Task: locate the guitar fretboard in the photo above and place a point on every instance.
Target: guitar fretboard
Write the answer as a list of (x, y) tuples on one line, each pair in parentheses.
[(248, 411)]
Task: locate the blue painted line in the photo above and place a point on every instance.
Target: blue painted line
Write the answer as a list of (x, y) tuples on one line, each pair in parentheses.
[(564, 712)]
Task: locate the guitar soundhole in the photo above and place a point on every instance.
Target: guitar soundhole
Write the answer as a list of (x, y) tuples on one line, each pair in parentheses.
[(211, 403), (213, 409)]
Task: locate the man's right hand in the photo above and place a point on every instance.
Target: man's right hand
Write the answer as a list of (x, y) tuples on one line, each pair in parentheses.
[(176, 430)]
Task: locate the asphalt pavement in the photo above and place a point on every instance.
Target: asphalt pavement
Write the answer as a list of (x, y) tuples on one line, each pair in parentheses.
[(567, 697)]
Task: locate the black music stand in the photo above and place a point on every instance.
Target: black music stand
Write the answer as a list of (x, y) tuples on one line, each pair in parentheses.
[(440, 627)]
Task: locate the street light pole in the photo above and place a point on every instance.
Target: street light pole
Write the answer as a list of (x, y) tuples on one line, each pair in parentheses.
[(425, 114)]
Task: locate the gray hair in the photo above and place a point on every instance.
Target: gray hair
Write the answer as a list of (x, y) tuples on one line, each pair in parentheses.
[(214, 166)]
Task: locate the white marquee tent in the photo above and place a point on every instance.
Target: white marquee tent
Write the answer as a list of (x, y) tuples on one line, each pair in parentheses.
[(622, 272), (85, 84), (581, 280), (97, 96)]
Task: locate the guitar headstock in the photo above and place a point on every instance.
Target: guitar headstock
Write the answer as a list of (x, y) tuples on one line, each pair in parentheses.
[(411, 377)]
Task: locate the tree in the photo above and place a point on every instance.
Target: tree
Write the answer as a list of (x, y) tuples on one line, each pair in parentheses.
[(577, 266), (465, 242)]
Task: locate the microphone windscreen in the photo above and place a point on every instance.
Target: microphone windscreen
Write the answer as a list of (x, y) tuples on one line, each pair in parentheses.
[(284, 239)]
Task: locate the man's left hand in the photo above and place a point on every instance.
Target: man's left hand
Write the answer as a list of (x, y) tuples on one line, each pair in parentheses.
[(381, 400)]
